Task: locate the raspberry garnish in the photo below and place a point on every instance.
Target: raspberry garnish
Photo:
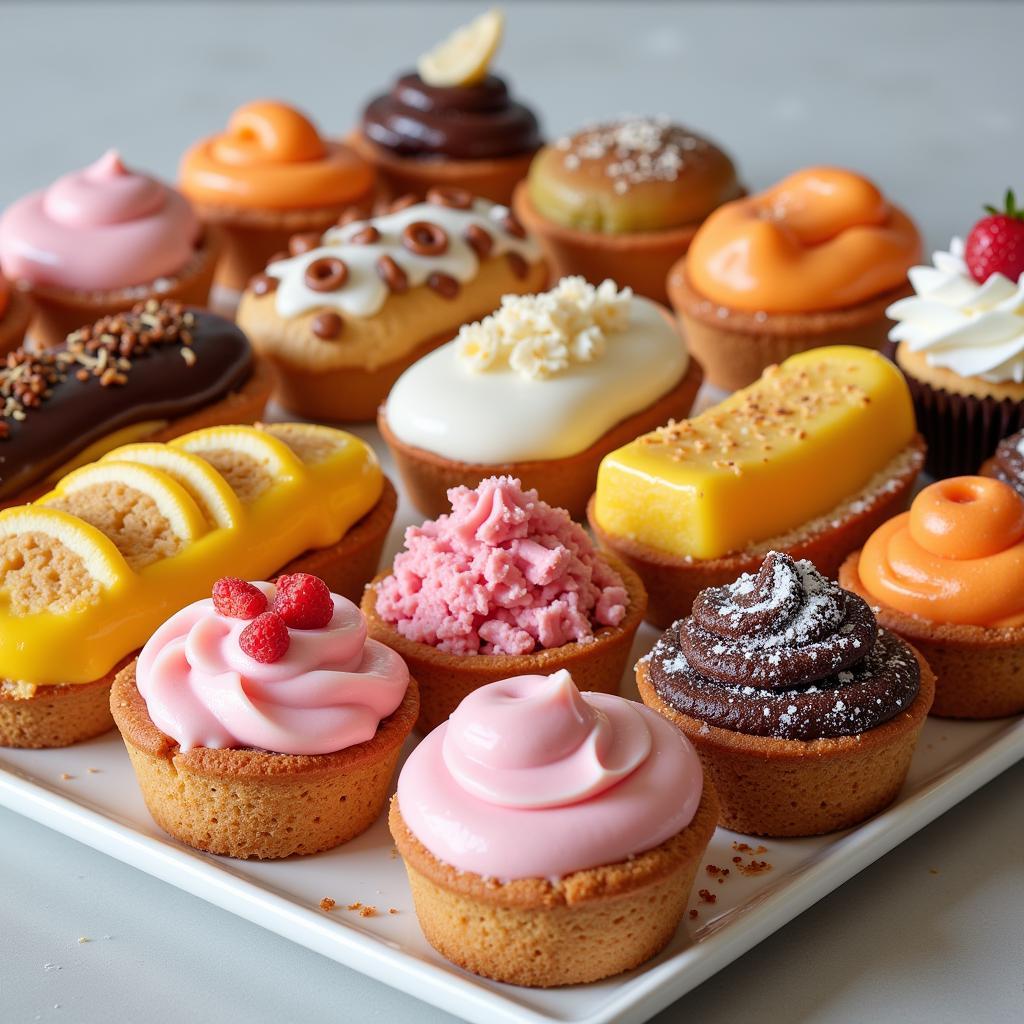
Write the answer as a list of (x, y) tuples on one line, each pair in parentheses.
[(237, 599), (266, 638), (303, 601)]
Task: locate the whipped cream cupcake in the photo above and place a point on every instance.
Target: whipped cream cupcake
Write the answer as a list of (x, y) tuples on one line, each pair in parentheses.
[(548, 385), (804, 712), (503, 585), (263, 722), (99, 240), (960, 343), (551, 837)]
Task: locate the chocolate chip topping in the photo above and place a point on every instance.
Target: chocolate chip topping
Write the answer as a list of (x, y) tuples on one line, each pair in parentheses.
[(785, 626), (519, 266), (262, 284), (326, 274), (784, 653), (366, 235), (1008, 464), (327, 326), (392, 274), (455, 198), (479, 241), (444, 284)]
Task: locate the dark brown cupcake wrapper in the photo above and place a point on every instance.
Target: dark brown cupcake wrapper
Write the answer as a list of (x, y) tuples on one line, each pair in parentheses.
[(962, 431)]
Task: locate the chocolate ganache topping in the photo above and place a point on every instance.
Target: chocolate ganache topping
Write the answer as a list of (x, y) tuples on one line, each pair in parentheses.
[(157, 362), (1008, 462), (466, 122), (784, 653)]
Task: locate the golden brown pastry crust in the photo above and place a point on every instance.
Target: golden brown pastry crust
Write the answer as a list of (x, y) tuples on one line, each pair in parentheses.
[(563, 483), (250, 803), (445, 679), (979, 671), (59, 311), (736, 346), (672, 582), (590, 925), (774, 787)]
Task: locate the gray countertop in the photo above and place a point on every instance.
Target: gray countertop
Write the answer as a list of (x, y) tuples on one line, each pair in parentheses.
[(923, 97)]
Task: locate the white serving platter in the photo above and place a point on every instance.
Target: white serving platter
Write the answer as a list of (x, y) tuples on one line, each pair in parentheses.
[(88, 792)]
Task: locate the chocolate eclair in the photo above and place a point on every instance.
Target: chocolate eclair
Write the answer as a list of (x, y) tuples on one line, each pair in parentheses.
[(805, 713), (149, 374), (1008, 462)]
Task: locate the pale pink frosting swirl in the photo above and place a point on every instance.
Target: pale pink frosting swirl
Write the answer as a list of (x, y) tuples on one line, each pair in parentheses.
[(330, 690), (529, 778), (102, 228)]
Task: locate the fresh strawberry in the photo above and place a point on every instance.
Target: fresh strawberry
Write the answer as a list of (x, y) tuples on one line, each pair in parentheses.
[(266, 638), (237, 599), (303, 601), (996, 243)]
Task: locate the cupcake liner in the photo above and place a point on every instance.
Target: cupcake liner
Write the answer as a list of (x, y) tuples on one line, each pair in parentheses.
[(962, 431)]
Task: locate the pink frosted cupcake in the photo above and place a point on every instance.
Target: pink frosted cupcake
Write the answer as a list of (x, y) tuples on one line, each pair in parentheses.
[(503, 585), (264, 723), (99, 240), (551, 837)]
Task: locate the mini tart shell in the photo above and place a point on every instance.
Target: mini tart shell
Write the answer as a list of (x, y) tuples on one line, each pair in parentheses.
[(59, 311), (14, 320), (979, 670), (446, 679), (564, 483), (962, 418), (245, 405), (314, 383), (57, 716), (251, 237), (736, 346), (672, 582), (589, 925), (492, 179), (249, 803), (776, 787), (639, 260)]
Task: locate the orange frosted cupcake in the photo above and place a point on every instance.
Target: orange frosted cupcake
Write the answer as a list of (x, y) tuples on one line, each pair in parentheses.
[(267, 177), (15, 313), (949, 577), (814, 260)]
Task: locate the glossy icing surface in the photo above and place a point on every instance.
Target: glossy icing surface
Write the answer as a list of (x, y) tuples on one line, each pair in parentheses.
[(769, 458), (823, 238), (102, 228), (271, 156), (329, 691), (543, 378), (530, 778), (957, 556)]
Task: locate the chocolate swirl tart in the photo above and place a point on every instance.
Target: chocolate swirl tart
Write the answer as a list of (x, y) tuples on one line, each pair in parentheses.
[(804, 712), (150, 374), (1008, 462)]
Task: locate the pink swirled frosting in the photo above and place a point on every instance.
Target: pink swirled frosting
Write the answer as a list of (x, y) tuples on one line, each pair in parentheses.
[(101, 228), (529, 778), (329, 691), (503, 573)]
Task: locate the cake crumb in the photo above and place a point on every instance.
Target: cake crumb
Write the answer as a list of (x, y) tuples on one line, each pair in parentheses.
[(706, 896), (392, 910), (368, 911), (716, 872), (353, 906), (933, 871), (66, 776), (747, 848), (693, 915), (93, 771), (327, 903), (755, 867)]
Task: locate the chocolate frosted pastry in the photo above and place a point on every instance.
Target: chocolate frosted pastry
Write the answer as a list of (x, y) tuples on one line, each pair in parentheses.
[(784, 653), (140, 369), (459, 122), (1008, 462)]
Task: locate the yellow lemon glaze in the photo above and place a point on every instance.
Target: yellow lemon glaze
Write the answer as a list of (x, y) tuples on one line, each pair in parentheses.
[(809, 434), (306, 505), (105, 444)]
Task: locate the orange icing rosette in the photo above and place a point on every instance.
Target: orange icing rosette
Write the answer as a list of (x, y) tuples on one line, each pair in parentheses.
[(824, 238), (956, 557), (272, 157)]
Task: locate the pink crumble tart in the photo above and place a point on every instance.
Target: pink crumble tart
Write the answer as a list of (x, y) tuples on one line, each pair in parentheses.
[(503, 573)]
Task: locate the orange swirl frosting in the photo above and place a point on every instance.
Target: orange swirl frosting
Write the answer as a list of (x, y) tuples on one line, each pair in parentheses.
[(823, 238), (272, 157), (956, 557)]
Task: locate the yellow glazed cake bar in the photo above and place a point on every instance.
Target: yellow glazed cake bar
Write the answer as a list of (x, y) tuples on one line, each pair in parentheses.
[(89, 570), (807, 436)]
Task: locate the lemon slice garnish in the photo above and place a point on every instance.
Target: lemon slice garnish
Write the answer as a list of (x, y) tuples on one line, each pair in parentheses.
[(464, 57)]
